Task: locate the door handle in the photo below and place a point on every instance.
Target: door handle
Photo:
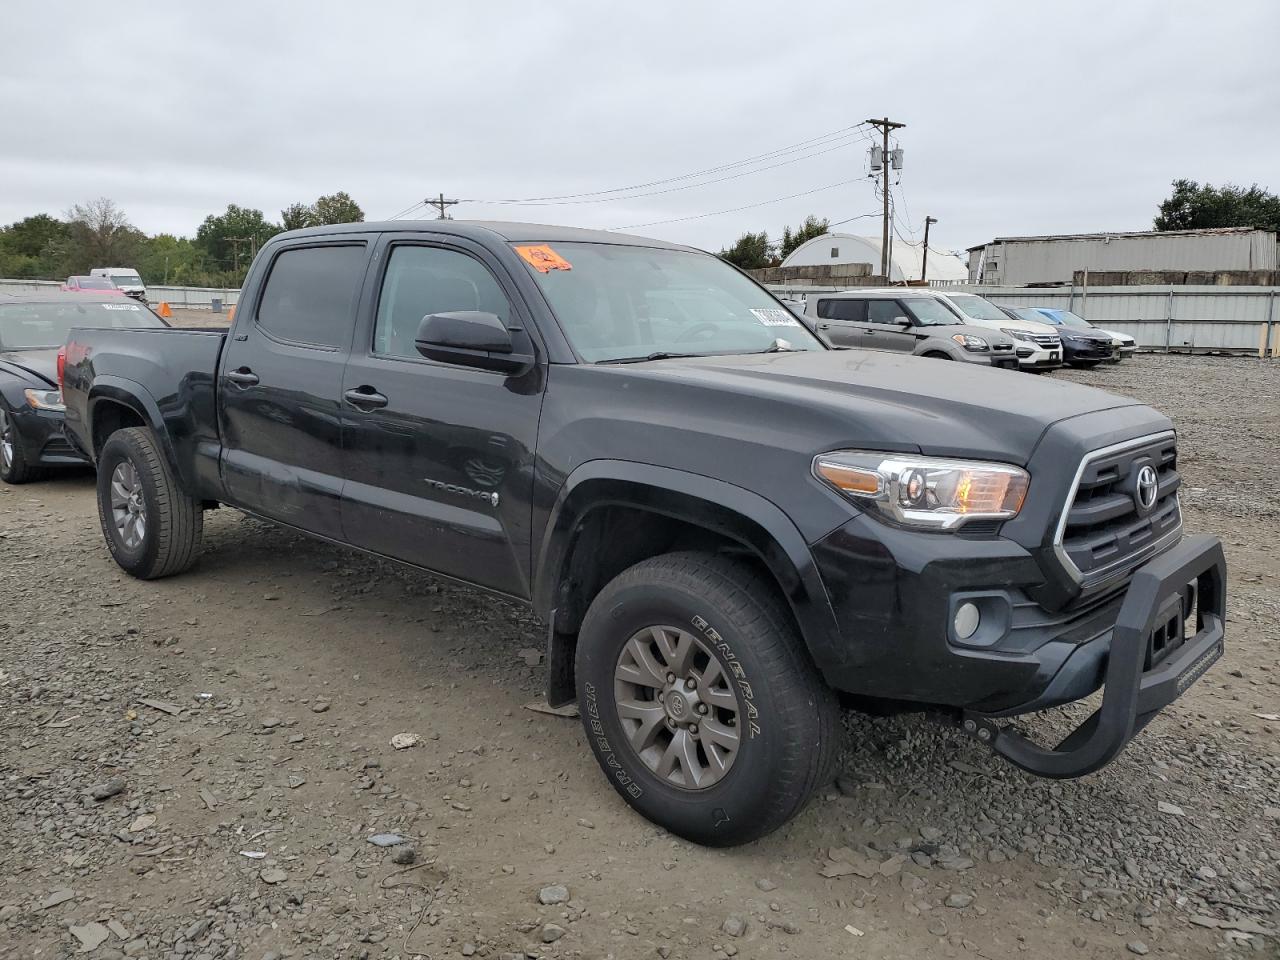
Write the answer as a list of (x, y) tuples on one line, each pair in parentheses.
[(244, 377), (363, 398), (869, 333), (824, 326)]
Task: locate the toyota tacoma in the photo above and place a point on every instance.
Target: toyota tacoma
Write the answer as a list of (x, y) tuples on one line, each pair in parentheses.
[(728, 528)]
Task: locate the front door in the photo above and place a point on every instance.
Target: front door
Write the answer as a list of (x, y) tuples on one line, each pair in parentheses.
[(841, 319), (439, 458), (281, 385), (888, 327)]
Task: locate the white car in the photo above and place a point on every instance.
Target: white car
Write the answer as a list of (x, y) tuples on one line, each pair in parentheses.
[(1038, 345), (126, 278), (1128, 345)]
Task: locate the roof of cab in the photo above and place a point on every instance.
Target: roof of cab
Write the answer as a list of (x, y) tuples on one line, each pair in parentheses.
[(481, 230)]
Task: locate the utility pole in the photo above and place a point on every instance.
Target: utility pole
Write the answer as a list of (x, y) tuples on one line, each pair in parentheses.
[(924, 259), (235, 248), (440, 203), (885, 125)]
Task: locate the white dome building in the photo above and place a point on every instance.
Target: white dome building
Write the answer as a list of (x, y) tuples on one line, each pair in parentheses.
[(907, 258)]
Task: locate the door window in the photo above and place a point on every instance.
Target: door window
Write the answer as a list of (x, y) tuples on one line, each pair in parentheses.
[(845, 309), (884, 311), (423, 280), (310, 295)]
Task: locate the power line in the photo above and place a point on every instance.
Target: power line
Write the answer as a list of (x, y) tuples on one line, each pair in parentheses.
[(749, 206), (820, 140), (420, 203), (687, 186)]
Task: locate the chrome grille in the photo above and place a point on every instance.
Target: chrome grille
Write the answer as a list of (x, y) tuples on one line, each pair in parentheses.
[(1104, 532)]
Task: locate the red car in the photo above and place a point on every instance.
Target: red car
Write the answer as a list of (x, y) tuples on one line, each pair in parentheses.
[(96, 285)]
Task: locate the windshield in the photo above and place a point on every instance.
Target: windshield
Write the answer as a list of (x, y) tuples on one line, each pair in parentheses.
[(1072, 319), (929, 312), (617, 302), (974, 306), (126, 279), (1032, 315), (31, 326), (95, 283)]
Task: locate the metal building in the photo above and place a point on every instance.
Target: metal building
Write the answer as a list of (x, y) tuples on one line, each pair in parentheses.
[(1015, 261)]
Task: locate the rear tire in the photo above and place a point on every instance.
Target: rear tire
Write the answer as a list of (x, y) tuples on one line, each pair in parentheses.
[(152, 528), (737, 754)]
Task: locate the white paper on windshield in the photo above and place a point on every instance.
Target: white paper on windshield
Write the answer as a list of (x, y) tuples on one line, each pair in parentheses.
[(775, 317), (120, 306)]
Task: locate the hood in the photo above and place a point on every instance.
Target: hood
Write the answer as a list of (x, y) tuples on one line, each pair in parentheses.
[(1083, 333), (859, 398), (33, 364)]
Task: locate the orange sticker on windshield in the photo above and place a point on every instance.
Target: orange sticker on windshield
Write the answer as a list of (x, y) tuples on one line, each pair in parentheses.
[(542, 258)]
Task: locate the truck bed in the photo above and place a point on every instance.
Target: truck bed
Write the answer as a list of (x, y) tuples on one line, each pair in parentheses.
[(176, 369)]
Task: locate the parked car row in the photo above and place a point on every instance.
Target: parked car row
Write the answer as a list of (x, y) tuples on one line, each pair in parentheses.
[(122, 280), (940, 324)]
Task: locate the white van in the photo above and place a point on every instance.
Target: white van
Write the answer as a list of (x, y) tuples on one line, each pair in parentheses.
[(1039, 346), (126, 278)]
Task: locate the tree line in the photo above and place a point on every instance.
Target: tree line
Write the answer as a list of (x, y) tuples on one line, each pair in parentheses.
[(99, 234)]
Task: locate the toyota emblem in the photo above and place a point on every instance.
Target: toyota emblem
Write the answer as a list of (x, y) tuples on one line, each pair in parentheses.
[(1147, 488)]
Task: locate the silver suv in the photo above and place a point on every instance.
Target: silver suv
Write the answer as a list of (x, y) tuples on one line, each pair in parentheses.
[(901, 321)]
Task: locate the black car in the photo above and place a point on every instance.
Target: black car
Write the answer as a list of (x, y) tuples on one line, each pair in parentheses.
[(1081, 347), (32, 329)]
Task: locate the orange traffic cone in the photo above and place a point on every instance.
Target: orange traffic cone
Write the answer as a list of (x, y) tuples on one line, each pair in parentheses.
[(164, 310)]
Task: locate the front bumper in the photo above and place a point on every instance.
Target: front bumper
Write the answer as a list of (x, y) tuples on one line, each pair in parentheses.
[(43, 440), (1097, 351), (1150, 661), (1032, 356)]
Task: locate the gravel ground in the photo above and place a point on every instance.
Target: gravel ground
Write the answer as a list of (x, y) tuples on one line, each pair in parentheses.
[(194, 768)]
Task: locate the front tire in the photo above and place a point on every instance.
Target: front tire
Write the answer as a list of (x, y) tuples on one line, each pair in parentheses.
[(699, 700), (152, 528), (14, 465)]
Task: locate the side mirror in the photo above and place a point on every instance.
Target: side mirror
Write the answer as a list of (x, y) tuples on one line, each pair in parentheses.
[(470, 338), (902, 321)]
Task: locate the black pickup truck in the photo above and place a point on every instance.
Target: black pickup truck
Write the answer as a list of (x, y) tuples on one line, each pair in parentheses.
[(727, 527)]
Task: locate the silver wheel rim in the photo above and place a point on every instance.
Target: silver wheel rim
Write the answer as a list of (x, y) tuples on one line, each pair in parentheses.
[(6, 440), (128, 508), (677, 706)]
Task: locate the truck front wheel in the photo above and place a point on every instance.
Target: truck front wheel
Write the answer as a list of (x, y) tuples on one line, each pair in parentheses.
[(699, 699), (151, 527)]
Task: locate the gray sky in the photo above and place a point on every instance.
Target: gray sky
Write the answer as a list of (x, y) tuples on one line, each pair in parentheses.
[(1021, 117)]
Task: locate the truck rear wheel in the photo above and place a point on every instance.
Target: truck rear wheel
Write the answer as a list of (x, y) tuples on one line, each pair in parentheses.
[(151, 527), (699, 700)]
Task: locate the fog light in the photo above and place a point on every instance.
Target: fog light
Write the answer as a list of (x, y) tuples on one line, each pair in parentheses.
[(966, 622)]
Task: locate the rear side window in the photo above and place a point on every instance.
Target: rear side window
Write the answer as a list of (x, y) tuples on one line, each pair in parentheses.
[(854, 310), (311, 293), (425, 280)]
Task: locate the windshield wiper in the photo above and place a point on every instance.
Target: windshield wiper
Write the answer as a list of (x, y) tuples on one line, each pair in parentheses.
[(656, 355)]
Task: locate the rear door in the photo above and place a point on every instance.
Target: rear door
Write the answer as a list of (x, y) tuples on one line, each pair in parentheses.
[(280, 385), (888, 327), (842, 319), (439, 457)]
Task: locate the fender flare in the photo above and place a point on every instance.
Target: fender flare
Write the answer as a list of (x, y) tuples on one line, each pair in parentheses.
[(732, 511), (133, 396)]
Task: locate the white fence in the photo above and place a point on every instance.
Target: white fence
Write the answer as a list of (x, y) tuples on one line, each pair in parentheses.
[(200, 298), (1234, 319)]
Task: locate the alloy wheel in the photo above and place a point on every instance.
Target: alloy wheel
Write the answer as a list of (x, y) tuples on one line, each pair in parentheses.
[(677, 706), (128, 508), (6, 440)]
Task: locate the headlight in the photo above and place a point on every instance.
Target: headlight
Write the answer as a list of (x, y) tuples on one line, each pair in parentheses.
[(44, 399), (1016, 334), (928, 493), (976, 344)]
